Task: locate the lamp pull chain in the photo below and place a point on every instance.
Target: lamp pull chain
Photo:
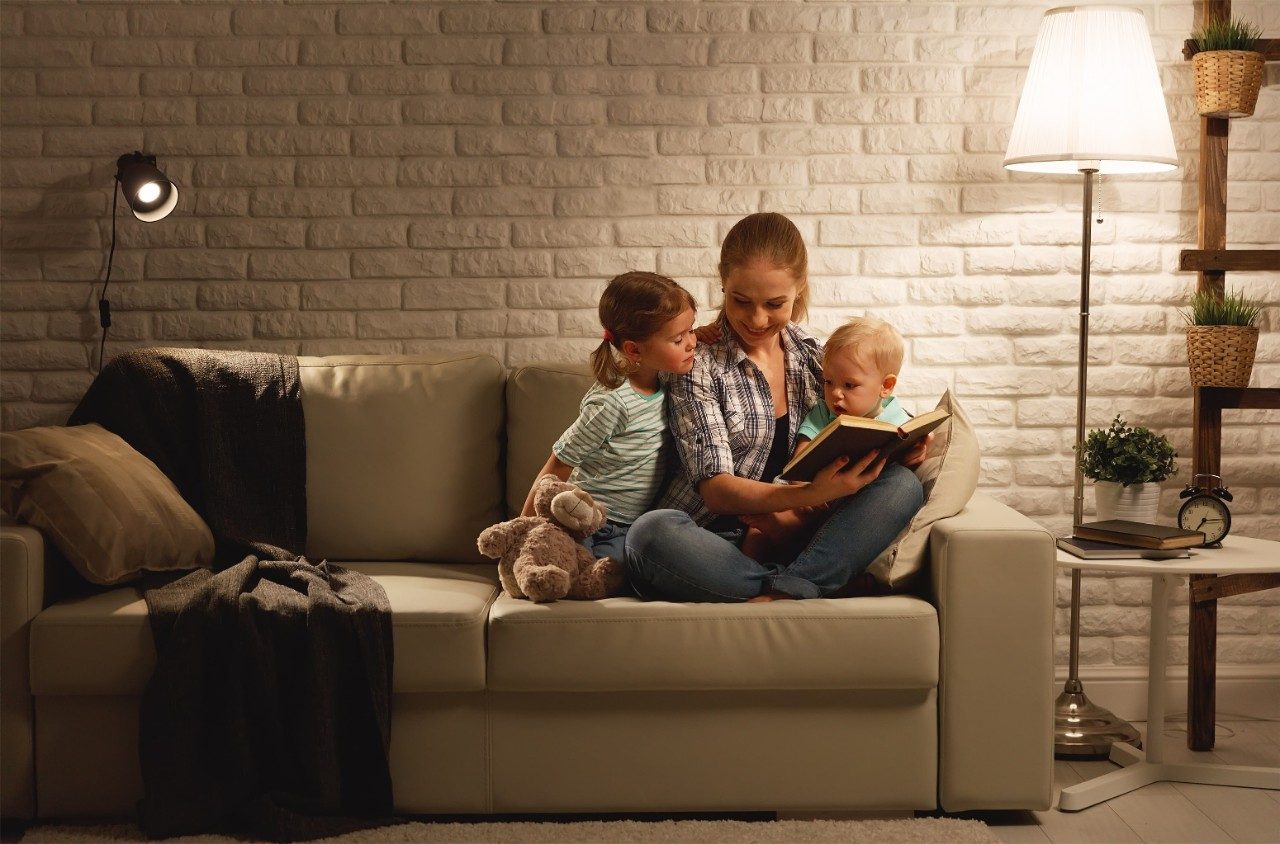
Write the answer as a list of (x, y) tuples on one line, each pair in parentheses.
[(1098, 201)]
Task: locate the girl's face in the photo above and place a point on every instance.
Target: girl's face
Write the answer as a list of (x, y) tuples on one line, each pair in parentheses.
[(758, 300), (852, 387), (670, 349)]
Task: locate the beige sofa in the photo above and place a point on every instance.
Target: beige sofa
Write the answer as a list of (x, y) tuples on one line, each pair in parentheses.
[(500, 705)]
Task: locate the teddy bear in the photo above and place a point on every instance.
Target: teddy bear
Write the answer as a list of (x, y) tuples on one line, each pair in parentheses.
[(542, 558)]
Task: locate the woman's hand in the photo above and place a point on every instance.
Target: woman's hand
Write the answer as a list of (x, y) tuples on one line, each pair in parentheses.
[(918, 453), (842, 478), (709, 333)]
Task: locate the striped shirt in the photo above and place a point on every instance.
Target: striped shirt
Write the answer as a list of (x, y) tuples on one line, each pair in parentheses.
[(616, 447), (721, 413)]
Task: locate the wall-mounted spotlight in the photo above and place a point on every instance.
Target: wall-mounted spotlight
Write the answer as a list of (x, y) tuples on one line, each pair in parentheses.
[(151, 196)]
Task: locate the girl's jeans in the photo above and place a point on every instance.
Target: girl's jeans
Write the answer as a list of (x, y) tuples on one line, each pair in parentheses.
[(608, 541), (669, 556)]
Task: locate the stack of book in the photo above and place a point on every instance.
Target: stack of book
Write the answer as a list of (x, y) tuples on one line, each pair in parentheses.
[(1118, 539)]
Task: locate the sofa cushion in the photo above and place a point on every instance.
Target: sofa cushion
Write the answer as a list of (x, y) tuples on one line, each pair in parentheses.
[(622, 644), (949, 476), (102, 645), (541, 402), (111, 511), (403, 456)]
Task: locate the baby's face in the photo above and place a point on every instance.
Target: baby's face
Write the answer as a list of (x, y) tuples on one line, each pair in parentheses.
[(853, 387)]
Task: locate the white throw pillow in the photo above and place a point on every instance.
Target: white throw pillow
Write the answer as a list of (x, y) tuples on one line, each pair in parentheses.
[(949, 476)]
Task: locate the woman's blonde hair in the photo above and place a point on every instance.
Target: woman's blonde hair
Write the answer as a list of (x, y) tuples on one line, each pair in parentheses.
[(634, 307), (774, 238), (871, 340)]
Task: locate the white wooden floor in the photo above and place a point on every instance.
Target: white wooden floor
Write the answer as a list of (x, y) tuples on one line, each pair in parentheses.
[(1169, 813)]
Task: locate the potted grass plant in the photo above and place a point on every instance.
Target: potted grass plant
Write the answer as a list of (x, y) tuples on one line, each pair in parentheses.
[(1127, 464), (1228, 70), (1222, 339)]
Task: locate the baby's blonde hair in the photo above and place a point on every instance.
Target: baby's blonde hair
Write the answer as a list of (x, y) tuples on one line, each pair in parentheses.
[(872, 341)]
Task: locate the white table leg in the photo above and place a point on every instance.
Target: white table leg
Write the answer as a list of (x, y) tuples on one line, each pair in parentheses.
[(1143, 769), (1125, 754), (1157, 655)]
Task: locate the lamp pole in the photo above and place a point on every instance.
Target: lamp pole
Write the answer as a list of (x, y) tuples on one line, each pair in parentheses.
[(1081, 728), (1082, 372)]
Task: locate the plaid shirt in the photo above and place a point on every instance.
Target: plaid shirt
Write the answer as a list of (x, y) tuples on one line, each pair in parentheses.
[(721, 414)]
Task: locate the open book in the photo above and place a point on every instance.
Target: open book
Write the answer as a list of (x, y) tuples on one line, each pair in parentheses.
[(855, 436)]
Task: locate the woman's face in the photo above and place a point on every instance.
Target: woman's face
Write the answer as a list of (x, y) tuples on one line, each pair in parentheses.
[(758, 301)]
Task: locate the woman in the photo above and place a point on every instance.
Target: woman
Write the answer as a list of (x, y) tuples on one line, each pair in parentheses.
[(734, 418)]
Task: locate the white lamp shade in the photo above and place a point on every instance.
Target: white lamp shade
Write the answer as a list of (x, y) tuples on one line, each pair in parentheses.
[(1092, 98)]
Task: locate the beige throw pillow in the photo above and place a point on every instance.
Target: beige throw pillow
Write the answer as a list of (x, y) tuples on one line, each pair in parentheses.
[(109, 509), (949, 475)]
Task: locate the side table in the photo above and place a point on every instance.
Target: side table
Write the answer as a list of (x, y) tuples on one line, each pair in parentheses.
[(1238, 555)]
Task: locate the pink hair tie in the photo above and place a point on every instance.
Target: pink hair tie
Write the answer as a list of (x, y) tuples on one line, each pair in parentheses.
[(608, 336)]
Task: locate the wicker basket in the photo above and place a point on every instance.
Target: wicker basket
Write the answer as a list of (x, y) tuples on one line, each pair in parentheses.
[(1221, 355), (1227, 82)]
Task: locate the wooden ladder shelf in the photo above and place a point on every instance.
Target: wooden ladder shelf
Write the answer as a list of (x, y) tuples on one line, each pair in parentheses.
[(1211, 260)]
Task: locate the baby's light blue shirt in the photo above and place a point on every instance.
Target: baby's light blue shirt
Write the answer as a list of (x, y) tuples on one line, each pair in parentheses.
[(890, 411)]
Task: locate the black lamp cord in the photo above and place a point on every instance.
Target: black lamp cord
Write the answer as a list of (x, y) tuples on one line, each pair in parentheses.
[(104, 307)]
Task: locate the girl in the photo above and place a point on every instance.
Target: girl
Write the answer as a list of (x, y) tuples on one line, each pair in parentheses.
[(735, 418), (615, 448)]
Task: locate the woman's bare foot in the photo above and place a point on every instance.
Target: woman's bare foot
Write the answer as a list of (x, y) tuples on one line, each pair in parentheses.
[(755, 545), (765, 597)]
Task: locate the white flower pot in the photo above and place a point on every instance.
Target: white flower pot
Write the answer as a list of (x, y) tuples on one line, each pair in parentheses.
[(1135, 502)]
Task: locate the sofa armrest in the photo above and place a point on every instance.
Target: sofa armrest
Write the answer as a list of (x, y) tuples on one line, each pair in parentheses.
[(992, 580), (21, 599)]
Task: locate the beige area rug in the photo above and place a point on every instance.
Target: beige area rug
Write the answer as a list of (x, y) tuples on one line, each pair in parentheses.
[(695, 832)]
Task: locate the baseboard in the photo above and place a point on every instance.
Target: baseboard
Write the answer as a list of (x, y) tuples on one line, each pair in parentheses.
[(1244, 691)]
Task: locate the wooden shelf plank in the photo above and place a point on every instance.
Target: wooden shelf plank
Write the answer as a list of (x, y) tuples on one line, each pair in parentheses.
[(1269, 47), (1212, 589), (1239, 398), (1242, 260)]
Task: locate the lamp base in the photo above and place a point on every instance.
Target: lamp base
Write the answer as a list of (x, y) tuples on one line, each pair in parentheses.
[(1083, 730)]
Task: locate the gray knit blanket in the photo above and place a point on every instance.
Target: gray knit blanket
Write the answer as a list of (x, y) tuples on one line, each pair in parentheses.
[(269, 711), (226, 428)]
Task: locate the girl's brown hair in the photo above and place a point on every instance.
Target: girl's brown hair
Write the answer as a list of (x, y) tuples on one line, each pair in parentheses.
[(634, 307), (774, 238)]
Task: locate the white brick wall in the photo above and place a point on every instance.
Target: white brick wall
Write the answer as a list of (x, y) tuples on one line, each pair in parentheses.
[(389, 177)]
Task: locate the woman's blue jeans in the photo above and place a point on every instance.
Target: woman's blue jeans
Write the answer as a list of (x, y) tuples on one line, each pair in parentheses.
[(669, 556)]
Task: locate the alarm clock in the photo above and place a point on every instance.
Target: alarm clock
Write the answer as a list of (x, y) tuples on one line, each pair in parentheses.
[(1205, 510)]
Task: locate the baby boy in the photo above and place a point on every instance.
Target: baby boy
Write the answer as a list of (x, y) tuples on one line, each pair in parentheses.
[(860, 367)]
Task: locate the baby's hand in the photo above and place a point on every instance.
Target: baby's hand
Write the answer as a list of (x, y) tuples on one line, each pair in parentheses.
[(708, 333), (918, 453)]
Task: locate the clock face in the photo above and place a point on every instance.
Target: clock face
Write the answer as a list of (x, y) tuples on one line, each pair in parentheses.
[(1206, 514)]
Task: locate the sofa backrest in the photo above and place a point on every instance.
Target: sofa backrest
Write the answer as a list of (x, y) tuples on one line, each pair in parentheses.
[(403, 455), (541, 402)]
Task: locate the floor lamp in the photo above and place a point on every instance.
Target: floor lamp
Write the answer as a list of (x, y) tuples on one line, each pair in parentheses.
[(1091, 104)]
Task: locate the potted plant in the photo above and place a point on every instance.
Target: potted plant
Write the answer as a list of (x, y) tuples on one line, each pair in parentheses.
[(1127, 465), (1228, 70), (1222, 339)]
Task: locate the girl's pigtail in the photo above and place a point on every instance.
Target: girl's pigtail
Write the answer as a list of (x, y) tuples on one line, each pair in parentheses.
[(604, 364)]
